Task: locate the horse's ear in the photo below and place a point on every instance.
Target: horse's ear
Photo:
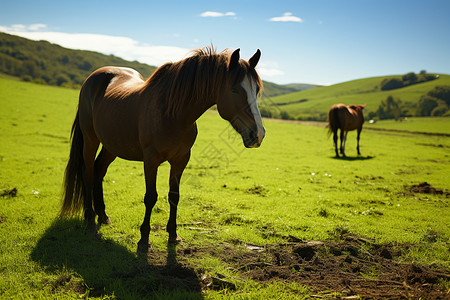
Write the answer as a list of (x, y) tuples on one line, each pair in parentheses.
[(253, 61), (234, 59)]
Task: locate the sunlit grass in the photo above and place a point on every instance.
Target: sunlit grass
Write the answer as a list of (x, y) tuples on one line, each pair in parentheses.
[(291, 185)]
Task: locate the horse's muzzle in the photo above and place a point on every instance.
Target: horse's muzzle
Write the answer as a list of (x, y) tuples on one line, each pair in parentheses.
[(254, 138)]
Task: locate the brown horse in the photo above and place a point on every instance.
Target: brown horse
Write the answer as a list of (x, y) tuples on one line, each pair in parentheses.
[(345, 118), (155, 121)]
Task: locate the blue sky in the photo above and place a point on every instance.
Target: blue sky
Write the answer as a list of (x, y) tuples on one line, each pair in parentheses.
[(303, 41)]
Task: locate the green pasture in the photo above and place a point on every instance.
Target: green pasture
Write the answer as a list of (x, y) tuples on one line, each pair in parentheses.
[(292, 185), (317, 101), (425, 125)]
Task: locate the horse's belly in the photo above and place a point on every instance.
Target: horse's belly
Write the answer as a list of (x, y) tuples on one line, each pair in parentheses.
[(120, 140), (125, 151)]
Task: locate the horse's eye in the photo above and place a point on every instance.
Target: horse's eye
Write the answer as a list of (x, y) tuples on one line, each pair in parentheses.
[(234, 90)]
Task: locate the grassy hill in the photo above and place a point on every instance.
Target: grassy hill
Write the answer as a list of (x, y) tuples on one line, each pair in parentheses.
[(273, 89), (46, 63), (313, 104)]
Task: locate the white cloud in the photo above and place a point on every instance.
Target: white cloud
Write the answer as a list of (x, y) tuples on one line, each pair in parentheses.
[(215, 14), (36, 27), (267, 72), (269, 69), (287, 17), (123, 47)]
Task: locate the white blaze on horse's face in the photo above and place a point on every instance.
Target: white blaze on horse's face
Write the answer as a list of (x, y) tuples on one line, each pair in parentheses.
[(250, 87)]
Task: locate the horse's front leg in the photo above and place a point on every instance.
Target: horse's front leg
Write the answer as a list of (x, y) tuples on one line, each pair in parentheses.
[(342, 146), (151, 196), (176, 170), (343, 143)]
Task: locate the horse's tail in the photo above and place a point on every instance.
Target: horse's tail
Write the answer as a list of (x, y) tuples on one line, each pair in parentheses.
[(333, 120), (74, 188)]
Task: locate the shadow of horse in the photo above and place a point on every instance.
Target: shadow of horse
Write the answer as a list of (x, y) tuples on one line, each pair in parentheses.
[(108, 268), (348, 158)]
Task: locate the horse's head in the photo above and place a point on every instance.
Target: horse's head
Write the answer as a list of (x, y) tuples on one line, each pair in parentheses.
[(238, 102)]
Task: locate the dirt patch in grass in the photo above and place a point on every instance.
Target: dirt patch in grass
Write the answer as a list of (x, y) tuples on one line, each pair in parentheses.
[(426, 188), (350, 267), (9, 193)]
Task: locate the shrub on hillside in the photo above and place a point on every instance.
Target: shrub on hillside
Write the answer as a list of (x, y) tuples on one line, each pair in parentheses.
[(390, 109), (406, 80), (439, 110), (391, 84), (409, 78), (441, 92), (426, 105)]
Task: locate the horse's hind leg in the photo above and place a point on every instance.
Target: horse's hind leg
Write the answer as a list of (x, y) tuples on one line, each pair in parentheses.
[(176, 170), (90, 146), (104, 159), (335, 140)]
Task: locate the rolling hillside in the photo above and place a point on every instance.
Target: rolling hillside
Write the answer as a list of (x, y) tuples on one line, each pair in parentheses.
[(46, 63), (314, 104)]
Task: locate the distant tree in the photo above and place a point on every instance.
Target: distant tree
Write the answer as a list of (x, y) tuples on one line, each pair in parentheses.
[(265, 112), (285, 115), (62, 79), (85, 66), (441, 92), (409, 78), (439, 110), (64, 59), (30, 68), (391, 84), (372, 115), (389, 109), (426, 105)]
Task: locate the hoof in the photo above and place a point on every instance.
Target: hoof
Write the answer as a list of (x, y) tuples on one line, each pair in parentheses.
[(91, 228), (175, 240), (143, 247), (104, 220)]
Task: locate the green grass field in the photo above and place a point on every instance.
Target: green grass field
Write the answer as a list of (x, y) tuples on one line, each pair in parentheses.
[(425, 125), (291, 186), (361, 91)]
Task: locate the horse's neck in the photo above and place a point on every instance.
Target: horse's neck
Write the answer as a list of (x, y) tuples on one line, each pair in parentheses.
[(192, 111)]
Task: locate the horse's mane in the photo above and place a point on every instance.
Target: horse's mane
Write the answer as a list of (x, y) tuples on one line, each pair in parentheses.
[(197, 79)]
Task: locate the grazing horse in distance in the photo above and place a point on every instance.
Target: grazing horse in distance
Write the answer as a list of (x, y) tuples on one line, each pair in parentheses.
[(154, 121), (345, 118)]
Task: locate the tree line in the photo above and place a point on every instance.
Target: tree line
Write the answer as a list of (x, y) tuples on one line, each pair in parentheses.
[(406, 80)]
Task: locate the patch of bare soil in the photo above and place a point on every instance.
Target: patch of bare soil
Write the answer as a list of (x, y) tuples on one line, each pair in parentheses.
[(9, 193), (353, 267), (426, 188)]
